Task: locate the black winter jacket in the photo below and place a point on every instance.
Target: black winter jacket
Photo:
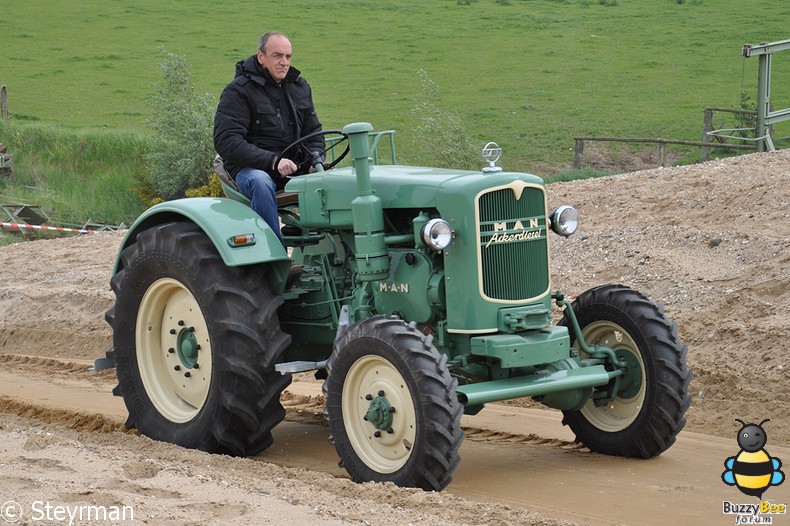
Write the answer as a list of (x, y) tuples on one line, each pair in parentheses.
[(250, 127)]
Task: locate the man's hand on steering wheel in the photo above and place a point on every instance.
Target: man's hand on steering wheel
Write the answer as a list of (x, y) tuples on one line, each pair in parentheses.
[(286, 167)]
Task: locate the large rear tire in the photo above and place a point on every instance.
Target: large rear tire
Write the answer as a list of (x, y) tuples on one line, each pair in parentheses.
[(644, 419), (195, 343), (392, 407)]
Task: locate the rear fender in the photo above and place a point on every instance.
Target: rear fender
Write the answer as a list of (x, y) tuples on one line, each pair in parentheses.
[(220, 219)]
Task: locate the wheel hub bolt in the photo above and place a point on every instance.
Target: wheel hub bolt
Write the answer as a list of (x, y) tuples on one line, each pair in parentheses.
[(390, 431), (377, 434), (381, 393), (172, 331), (187, 374), (171, 350), (180, 323), (196, 366), (177, 368), (368, 397)]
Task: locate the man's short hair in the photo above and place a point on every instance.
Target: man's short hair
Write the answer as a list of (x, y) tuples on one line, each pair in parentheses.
[(265, 38)]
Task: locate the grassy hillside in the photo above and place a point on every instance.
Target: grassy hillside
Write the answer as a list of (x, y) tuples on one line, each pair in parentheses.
[(529, 74), (77, 176)]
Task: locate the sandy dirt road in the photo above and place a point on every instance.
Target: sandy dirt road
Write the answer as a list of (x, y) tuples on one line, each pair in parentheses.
[(522, 458), (711, 242)]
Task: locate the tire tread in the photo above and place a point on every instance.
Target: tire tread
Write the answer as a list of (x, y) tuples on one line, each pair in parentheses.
[(663, 416)]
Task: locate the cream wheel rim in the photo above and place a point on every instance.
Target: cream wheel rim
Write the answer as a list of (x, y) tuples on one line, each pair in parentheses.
[(173, 350), (620, 412), (383, 450)]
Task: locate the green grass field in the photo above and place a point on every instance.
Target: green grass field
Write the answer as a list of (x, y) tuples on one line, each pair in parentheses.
[(529, 74)]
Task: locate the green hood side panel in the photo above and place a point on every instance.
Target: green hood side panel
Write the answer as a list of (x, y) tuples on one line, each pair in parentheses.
[(325, 198)]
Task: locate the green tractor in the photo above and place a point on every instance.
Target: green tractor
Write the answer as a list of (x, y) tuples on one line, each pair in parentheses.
[(424, 294)]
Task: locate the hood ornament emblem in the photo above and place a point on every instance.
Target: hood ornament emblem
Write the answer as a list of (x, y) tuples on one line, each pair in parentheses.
[(491, 154)]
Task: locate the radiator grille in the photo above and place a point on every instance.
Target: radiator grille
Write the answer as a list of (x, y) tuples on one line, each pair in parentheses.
[(513, 246)]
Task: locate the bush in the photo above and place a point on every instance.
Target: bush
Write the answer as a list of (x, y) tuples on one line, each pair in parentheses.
[(183, 145), (441, 135), (747, 122), (212, 189)]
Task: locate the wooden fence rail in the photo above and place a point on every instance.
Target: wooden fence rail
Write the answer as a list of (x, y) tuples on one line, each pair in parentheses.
[(662, 146), (709, 140), (708, 135)]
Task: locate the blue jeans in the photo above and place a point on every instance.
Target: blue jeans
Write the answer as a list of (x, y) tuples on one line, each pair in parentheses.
[(259, 187)]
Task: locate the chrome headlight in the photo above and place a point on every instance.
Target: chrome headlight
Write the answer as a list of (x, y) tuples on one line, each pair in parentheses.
[(564, 220), (437, 234)]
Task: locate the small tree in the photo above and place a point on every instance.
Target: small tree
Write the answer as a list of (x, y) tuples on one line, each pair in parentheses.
[(747, 122), (183, 145), (443, 140)]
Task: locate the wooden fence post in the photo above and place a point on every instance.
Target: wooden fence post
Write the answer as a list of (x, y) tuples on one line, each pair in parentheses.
[(4, 102), (662, 153), (578, 154), (707, 126)]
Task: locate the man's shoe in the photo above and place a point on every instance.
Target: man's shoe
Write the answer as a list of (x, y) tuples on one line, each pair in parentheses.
[(293, 274), (291, 231)]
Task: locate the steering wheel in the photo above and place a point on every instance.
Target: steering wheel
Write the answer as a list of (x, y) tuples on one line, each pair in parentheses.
[(313, 158)]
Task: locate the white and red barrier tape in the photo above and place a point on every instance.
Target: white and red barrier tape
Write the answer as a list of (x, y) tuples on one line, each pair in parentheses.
[(42, 227)]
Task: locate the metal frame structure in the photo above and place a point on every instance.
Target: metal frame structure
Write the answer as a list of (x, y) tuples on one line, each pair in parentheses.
[(766, 117)]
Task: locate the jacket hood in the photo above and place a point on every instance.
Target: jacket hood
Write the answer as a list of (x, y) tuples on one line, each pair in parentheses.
[(250, 68)]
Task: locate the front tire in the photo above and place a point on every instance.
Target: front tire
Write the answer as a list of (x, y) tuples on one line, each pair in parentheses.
[(644, 418), (392, 407), (195, 343)]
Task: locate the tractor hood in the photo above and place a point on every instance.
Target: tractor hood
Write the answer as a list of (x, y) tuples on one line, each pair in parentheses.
[(325, 198)]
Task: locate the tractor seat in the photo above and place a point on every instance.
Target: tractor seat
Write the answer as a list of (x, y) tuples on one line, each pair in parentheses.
[(232, 191)]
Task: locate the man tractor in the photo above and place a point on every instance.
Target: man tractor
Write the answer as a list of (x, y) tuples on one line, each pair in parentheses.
[(424, 294)]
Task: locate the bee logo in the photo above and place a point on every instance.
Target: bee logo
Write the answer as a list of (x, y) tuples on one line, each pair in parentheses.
[(752, 470)]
